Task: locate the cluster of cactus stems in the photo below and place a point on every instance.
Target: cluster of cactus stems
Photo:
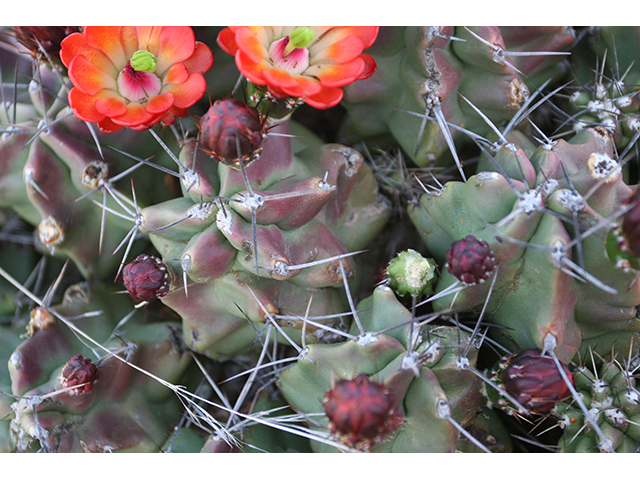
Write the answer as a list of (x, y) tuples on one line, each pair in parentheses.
[(189, 264)]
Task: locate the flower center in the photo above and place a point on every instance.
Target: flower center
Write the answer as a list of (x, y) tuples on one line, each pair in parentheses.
[(290, 53), (138, 85)]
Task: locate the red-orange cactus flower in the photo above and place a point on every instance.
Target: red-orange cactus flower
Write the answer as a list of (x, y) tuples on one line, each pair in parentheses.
[(134, 76), (311, 63)]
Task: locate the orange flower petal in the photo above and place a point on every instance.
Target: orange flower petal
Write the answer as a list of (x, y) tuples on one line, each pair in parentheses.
[(149, 39), (337, 75), (201, 60), (75, 45), (129, 40), (84, 106), (250, 44), (326, 98), (107, 126), (227, 40), (295, 86), (250, 69), (177, 73), (342, 51), (111, 106), (189, 92), (89, 78), (107, 40), (160, 103), (176, 45), (369, 66), (136, 115)]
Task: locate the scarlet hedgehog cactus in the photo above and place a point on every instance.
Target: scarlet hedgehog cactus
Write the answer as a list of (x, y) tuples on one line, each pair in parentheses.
[(259, 225), (79, 372), (147, 278), (533, 380), (361, 411), (306, 63), (470, 260), (134, 76), (232, 131)]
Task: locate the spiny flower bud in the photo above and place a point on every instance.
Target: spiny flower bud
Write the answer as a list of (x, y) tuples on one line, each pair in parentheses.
[(470, 260), (411, 274), (631, 224), (361, 412), (77, 371), (48, 38), (147, 278), (535, 382), (232, 130)]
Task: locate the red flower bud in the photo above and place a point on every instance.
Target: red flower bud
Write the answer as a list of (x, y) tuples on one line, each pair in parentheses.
[(231, 130), (535, 382), (361, 411), (147, 278), (36, 39), (631, 224), (77, 371), (470, 260)]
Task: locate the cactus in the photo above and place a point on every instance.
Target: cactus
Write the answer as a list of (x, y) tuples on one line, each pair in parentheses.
[(442, 72), (410, 380), (375, 239), (538, 211), (608, 389)]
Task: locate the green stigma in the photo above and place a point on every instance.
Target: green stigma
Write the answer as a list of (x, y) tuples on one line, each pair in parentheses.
[(143, 61), (299, 38)]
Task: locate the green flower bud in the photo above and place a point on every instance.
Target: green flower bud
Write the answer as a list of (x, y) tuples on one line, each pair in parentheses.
[(143, 61), (411, 273)]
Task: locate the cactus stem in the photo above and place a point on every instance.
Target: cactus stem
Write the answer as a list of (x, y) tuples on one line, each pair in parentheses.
[(28, 179), (300, 266), (352, 306), (520, 408), (252, 375), (273, 321), (484, 309), (442, 122), (569, 267), (444, 412), (168, 171), (503, 140), (524, 111), (454, 288)]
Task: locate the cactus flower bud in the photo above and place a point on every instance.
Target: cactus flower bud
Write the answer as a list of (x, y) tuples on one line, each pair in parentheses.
[(411, 274), (361, 412), (231, 130), (470, 260), (78, 371), (147, 278), (631, 224), (535, 382), (43, 40), (144, 61)]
